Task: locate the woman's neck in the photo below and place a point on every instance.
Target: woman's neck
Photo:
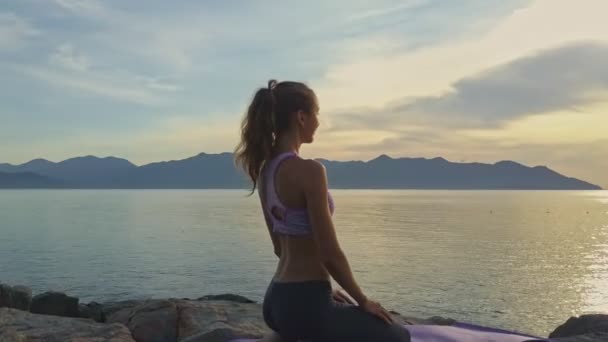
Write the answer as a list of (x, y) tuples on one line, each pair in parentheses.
[(288, 144)]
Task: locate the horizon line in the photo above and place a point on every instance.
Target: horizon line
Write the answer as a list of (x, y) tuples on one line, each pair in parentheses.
[(317, 158)]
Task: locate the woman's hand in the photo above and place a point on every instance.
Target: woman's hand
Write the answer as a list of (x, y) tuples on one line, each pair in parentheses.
[(340, 296), (377, 310)]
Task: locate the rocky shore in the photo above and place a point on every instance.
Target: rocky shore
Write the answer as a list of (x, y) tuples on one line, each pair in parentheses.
[(55, 316)]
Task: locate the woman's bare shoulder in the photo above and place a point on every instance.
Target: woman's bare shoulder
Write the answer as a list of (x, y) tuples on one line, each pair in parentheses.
[(308, 170)]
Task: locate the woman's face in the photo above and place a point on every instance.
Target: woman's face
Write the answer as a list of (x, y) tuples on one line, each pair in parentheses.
[(309, 122)]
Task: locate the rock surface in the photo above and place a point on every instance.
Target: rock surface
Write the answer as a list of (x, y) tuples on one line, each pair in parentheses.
[(178, 319), (150, 321), (227, 296), (109, 308), (592, 337), (93, 311), (208, 318), (219, 335), (55, 303), (222, 320), (18, 325), (596, 324), (213, 318), (17, 297)]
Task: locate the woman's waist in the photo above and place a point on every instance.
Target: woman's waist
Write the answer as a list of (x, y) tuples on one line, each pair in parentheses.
[(297, 287), (290, 270)]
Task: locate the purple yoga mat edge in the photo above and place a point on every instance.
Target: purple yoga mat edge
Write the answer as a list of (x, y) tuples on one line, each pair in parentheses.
[(462, 325)]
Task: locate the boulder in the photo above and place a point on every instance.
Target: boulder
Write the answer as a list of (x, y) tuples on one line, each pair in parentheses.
[(92, 310), (22, 297), (592, 337), (17, 297), (596, 324), (219, 335), (55, 303), (191, 320), (207, 319), (214, 318), (228, 297), (149, 321), (219, 319), (18, 325), (109, 308), (435, 320)]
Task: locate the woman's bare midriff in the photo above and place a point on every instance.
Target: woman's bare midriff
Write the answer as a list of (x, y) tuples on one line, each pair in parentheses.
[(299, 260)]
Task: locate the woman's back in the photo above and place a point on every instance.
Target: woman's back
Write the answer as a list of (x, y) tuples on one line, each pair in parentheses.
[(284, 204)]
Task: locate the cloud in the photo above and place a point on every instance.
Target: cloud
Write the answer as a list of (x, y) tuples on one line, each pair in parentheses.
[(83, 7), (384, 11), (111, 84), (562, 78), (526, 89), (82, 75), (87, 83), (167, 41), (14, 30), (66, 57), (389, 75)]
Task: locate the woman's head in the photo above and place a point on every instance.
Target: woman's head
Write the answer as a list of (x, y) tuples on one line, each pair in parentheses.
[(282, 110)]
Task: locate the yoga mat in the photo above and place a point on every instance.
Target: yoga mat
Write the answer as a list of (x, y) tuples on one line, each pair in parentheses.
[(459, 332)]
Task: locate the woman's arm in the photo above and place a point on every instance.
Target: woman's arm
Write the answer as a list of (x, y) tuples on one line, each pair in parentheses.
[(315, 192), (273, 236)]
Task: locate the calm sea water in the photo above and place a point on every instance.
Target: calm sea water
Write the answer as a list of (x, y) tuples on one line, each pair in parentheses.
[(513, 259)]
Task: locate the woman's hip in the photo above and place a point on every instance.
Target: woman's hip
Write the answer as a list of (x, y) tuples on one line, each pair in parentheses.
[(296, 308)]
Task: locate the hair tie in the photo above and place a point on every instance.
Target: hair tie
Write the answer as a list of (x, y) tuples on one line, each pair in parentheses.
[(272, 84)]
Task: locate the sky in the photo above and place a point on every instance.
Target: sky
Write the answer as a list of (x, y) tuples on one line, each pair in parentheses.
[(469, 80)]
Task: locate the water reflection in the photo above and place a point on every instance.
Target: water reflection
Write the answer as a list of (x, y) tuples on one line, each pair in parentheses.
[(512, 259)]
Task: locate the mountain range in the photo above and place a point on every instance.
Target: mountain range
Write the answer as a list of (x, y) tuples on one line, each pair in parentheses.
[(217, 171)]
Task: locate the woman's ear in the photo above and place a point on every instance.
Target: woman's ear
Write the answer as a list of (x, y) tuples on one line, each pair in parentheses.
[(301, 117)]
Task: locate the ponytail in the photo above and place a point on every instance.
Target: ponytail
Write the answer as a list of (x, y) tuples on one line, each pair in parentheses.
[(267, 117), (257, 133)]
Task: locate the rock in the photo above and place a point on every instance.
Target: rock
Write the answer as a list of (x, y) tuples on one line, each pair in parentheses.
[(592, 337), (111, 307), (149, 321), (93, 311), (202, 320), (212, 318), (55, 303), (5, 295), (435, 320), (18, 325), (219, 319), (219, 335), (17, 297), (22, 297), (10, 334), (194, 320), (229, 297), (585, 324)]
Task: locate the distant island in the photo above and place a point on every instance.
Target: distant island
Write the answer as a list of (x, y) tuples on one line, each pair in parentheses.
[(217, 171), (28, 180)]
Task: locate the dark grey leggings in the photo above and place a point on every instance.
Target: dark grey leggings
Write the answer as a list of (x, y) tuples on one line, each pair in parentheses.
[(306, 310)]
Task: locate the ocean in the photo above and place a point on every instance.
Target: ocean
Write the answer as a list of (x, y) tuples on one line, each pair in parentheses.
[(522, 260)]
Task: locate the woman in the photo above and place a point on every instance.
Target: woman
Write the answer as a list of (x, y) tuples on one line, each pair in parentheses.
[(297, 207)]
